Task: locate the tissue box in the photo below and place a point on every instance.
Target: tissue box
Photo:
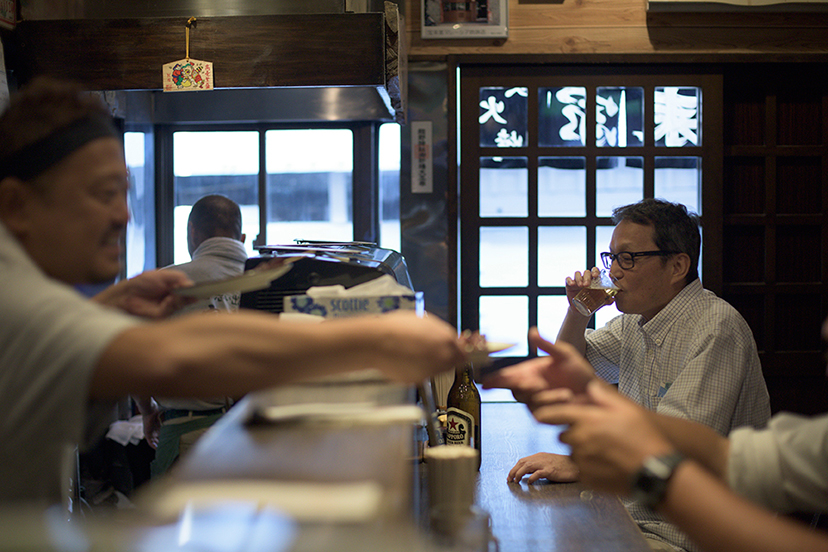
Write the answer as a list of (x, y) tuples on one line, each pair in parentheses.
[(340, 307)]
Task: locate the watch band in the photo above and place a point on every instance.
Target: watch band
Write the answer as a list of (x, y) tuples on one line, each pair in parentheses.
[(649, 483)]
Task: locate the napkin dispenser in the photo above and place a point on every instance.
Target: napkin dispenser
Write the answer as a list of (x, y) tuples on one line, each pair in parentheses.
[(324, 264)]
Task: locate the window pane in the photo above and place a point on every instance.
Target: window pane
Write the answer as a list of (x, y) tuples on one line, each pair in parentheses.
[(206, 163), (504, 254), (389, 166), (503, 187), (603, 235), (678, 179), (618, 181), (506, 319), (503, 117), (140, 233), (551, 312), (619, 116), (561, 251), (561, 186), (676, 116), (309, 184), (561, 116)]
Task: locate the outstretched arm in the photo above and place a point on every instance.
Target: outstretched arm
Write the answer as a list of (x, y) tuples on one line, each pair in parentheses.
[(203, 356), (148, 294)]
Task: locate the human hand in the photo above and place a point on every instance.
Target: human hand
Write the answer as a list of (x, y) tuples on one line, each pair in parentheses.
[(563, 368), (148, 294), (554, 467), (412, 348), (610, 436), (580, 281)]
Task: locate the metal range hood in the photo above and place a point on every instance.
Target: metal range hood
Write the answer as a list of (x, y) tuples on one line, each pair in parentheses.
[(276, 60), (258, 105)]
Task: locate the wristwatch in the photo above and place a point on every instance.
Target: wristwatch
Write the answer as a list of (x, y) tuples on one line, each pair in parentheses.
[(649, 484)]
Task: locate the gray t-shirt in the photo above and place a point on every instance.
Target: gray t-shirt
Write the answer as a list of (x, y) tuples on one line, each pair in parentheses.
[(51, 339)]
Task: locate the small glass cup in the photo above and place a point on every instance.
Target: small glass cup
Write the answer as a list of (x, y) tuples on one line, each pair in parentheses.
[(463, 528), (592, 298)]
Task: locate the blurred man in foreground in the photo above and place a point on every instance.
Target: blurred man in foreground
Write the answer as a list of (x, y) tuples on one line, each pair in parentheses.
[(64, 359)]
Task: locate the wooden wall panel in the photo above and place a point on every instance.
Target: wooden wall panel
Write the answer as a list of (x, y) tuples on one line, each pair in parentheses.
[(260, 51), (625, 27)]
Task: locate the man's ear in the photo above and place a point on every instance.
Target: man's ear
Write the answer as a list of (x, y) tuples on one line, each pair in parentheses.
[(681, 266), (15, 196)]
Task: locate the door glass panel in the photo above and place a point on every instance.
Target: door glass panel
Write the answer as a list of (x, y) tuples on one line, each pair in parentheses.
[(561, 251), (505, 318), (618, 181), (225, 163), (503, 187), (561, 116), (504, 254), (678, 179), (619, 116), (140, 232), (309, 184), (551, 312), (676, 116), (561, 186), (389, 192), (603, 235), (503, 117)]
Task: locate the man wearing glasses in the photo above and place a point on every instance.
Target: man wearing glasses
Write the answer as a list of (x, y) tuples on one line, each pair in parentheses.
[(677, 349)]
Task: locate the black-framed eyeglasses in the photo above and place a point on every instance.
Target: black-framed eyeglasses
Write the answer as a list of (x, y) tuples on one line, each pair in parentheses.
[(626, 260)]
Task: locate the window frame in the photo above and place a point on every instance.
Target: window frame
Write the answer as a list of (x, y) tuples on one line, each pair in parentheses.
[(474, 77), (365, 177)]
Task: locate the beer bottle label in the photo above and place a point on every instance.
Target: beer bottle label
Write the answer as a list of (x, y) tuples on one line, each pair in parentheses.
[(459, 427)]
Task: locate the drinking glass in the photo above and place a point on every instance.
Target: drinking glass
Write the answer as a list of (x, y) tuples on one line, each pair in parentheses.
[(592, 298)]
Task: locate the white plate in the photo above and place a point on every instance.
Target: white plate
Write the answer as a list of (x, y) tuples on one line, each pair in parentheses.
[(251, 280)]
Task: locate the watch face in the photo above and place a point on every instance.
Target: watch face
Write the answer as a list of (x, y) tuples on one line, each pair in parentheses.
[(650, 483)]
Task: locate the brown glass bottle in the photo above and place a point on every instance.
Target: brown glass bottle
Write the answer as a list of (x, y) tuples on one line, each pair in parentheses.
[(463, 410)]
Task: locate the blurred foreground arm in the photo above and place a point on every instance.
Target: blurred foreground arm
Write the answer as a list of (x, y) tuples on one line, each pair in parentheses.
[(148, 294), (563, 369), (611, 437), (203, 356)]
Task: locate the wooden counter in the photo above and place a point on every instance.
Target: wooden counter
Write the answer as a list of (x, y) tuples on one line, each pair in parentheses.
[(544, 516)]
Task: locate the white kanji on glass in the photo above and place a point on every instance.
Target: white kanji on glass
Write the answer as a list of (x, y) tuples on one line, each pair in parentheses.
[(574, 109), (676, 116), (506, 139), (493, 109)]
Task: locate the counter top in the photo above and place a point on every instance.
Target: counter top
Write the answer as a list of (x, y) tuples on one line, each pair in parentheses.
[(544, 516), (371, 473)]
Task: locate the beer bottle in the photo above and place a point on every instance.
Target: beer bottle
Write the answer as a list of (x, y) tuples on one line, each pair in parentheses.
[(463, 410)]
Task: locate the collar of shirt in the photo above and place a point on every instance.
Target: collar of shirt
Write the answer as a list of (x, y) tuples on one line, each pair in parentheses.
[(221, 247), (659, 326)]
